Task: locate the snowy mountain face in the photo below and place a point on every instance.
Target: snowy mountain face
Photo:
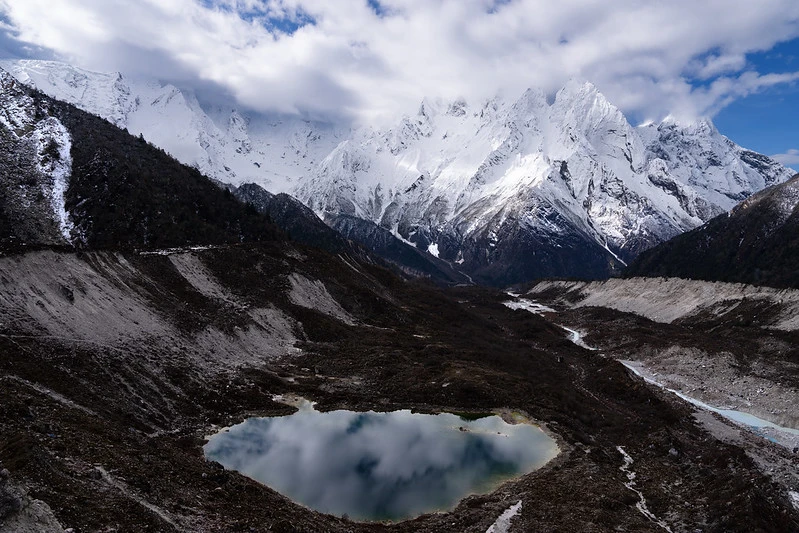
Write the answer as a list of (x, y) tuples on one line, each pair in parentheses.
[(222, 143), (506, 190)]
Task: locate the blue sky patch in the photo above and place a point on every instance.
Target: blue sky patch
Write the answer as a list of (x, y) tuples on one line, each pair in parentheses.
[(767, 121), (377, 7), (289, 24)]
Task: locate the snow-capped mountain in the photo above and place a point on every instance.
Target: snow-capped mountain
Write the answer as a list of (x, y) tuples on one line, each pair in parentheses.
[(222, 143), (507, 190)]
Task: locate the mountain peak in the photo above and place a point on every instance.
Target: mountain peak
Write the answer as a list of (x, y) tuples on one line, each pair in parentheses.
[(580, 105), (503, 176), (429, 108), (701, 125), (586, 99), (578, 89), (534, 95), (457, 108)]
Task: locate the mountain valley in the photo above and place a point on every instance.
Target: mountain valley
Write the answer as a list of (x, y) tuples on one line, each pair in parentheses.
[(117, 364), (145, 307)]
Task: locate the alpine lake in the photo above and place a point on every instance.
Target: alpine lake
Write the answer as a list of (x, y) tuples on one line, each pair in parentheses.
[(372, 466)]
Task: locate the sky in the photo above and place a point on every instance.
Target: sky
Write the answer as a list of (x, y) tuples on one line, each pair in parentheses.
[(735, 61)]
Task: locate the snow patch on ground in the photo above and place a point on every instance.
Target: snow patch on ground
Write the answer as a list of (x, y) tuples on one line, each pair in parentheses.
[(794, 499), (343, 260), (527, 305), (53, 146), (395, 232), (536, 308), (502, 525), (619, 259), (170, 251), (630, 484), (577, 338), (433, 250), (293, 400)]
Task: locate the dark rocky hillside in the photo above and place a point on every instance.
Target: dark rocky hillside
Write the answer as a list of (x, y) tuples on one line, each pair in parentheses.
[(757, 243), (122, 192), (353, 236), (515, 254), (346, 234), (298, 222), (125, 192), (408, 258)]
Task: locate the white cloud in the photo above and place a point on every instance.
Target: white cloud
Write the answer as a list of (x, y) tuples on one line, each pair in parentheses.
[(789, 158), (353, 61)]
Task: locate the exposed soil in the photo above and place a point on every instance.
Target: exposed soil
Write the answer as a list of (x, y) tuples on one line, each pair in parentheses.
[(114, 367)]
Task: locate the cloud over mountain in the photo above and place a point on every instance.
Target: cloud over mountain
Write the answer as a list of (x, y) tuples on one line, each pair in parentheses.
[(789, 158), (369, 59)]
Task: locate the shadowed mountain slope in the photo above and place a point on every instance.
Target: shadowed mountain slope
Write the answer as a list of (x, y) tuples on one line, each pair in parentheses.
[(73, 179), (758, 242)]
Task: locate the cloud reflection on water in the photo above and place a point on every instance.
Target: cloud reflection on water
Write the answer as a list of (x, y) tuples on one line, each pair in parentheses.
[(375, 466)]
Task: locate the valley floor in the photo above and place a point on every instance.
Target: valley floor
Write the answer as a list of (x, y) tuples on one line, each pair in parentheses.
[(115, 366), (728, 349)]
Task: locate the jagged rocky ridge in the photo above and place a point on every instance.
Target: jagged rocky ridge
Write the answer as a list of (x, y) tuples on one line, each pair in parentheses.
[(504, 190), (757, 242)]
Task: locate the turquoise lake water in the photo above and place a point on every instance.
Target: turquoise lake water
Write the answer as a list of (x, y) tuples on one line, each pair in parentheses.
[(380, 466)]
